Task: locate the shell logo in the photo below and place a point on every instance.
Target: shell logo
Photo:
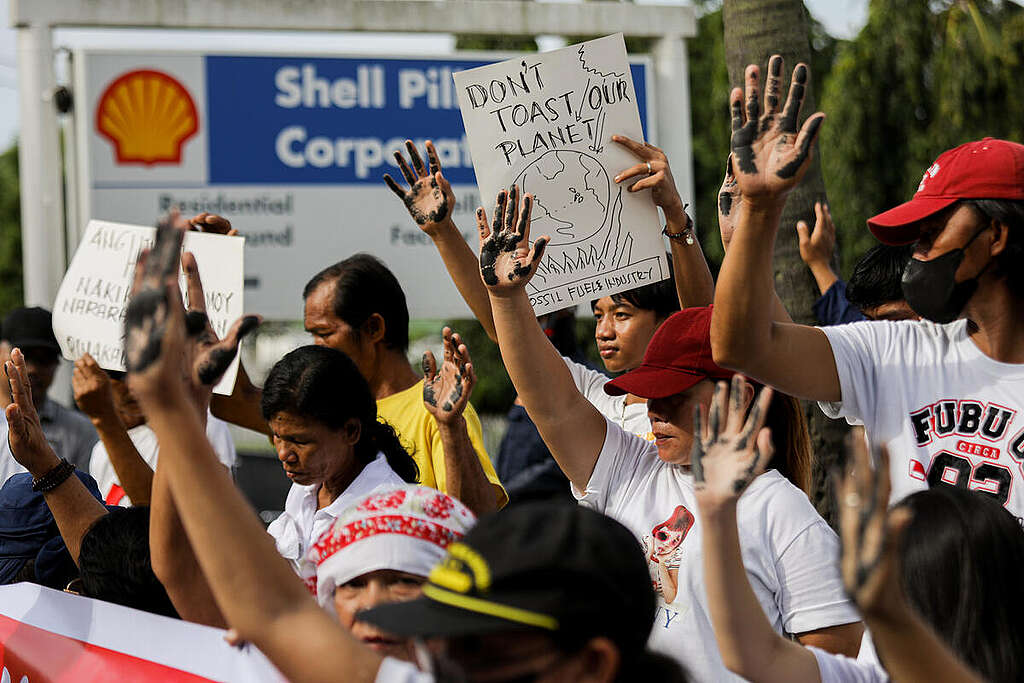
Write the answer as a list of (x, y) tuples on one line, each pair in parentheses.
[(148, 116)]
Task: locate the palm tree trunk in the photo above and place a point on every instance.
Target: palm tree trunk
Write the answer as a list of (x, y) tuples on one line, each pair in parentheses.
[(754, 30)]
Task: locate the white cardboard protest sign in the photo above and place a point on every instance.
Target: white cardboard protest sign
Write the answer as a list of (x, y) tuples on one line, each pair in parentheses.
[(88, 314), (544, 122)]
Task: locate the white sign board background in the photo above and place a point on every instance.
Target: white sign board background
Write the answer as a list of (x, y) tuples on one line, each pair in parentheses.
[(88, 314), (292, 229), (544, 122)]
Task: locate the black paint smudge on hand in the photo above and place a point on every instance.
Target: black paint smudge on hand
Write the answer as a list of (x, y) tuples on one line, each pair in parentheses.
[(435, 163), (414, 154), (146, 315), (144, 322), (195, 323), (429, 396), (743, 135), (454, 397), (435, 215), (697, 450), (216, 364), (790, 169), (725, 203), (796, 98)]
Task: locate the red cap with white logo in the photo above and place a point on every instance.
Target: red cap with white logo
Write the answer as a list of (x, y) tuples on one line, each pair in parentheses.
[(986, 169)]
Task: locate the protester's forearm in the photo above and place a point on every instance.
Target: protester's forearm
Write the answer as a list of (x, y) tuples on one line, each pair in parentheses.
[(266, 603), (242, 407), (174, 561), (464, 475), (694, 284), (749, 645), (823, 274), (742, 325), (134, 473), (464, 268), (911, 651), (571, 427), (72, 505)]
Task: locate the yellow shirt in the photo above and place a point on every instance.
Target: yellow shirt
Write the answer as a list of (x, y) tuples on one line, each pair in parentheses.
[(418, 432)]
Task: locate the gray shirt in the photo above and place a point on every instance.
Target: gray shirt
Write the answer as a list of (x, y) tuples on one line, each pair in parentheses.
[(70, 433)]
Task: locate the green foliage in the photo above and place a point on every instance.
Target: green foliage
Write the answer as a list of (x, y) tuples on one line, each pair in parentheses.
[(494, 392), (709, 119), (920, 78), (11, 284)]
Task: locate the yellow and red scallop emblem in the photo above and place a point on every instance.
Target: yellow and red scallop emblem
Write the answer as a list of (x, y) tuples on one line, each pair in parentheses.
[(148, 115)]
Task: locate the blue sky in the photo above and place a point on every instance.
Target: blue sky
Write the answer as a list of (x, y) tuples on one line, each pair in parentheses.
[(842, 18)]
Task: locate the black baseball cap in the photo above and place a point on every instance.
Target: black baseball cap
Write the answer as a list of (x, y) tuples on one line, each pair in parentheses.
[(550, 566), (30, 328)]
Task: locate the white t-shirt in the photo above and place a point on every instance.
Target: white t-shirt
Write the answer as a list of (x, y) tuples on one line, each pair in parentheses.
[(632, 417), (949, 413), (144, 439), (840, 669), (789, 552), (301, 524)]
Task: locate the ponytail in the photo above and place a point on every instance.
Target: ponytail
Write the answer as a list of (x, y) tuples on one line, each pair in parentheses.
[(380, 437)]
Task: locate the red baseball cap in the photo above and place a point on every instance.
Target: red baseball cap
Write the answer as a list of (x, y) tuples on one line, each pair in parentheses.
[(986, 169), (678, 357)]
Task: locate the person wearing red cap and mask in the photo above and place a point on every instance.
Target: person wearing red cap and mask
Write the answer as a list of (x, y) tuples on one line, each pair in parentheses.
[(789, 551), (945, 393)]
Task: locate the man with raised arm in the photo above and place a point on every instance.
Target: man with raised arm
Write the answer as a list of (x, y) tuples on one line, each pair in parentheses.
[(944, 393)]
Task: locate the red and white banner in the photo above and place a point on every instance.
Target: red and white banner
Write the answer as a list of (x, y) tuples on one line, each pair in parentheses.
[(47, 636)]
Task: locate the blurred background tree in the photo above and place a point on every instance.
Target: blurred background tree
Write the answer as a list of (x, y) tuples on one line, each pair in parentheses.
[(11, 283), (921, 77)]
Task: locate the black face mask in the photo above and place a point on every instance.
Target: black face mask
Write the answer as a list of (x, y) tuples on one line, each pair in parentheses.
[(931, 289)]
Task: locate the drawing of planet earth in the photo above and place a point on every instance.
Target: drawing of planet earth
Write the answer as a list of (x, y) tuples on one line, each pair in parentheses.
[(571, 192)]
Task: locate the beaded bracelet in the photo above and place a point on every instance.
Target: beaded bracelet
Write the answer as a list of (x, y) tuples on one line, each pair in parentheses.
[(54, 478), (686, 234)]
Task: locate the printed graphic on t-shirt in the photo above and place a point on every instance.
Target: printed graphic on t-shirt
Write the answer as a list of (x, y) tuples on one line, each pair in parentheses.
[(966, 440), (664, 548)]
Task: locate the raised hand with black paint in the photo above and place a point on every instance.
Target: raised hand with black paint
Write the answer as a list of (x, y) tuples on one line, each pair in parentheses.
[(211, 355), (751, 332), (431, 202), (446, 390), (870, 532), (728, 451), (507, 261), (429, 197), (146, 318), (157, 327), (769, 153)]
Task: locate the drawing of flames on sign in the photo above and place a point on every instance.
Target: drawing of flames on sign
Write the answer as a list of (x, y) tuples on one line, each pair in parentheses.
[(148, 116)]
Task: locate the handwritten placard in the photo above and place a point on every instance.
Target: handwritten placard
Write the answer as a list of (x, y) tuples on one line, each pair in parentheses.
[(544, 122), (88, 314)]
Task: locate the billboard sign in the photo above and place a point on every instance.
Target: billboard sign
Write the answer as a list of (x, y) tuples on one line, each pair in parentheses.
[(290, 148)]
